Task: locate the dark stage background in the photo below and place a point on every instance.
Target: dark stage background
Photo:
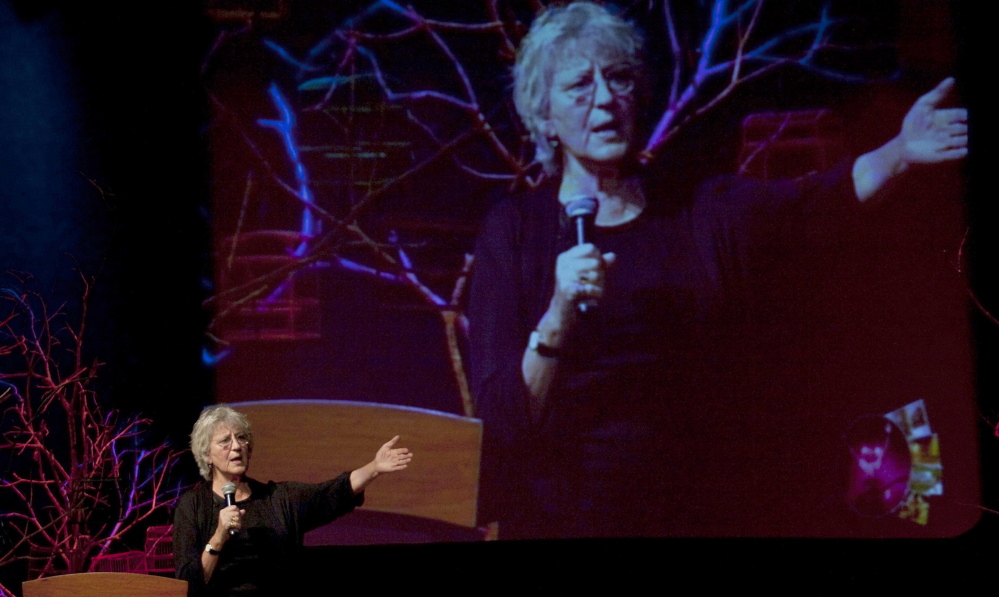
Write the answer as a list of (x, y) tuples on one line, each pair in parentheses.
[(115, 162)]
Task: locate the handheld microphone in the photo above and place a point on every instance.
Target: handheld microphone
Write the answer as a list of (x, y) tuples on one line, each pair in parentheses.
[(581, 211), (229, 493)]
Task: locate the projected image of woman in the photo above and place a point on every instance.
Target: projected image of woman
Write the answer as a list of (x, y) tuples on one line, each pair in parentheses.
[(591, 362)]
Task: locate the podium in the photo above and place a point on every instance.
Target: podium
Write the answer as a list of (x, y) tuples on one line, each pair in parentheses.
[(104, 584)]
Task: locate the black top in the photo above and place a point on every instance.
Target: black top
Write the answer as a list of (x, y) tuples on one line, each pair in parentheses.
[(651, 365), (261, 559)]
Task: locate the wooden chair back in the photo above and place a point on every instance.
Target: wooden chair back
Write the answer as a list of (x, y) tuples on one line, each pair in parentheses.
[(315, 440)]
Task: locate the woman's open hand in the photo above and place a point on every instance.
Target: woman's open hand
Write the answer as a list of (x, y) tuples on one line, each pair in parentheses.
[(931, 134), (389, 459)]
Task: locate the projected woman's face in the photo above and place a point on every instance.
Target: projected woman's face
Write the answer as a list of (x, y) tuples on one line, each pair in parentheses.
[(592, 107)]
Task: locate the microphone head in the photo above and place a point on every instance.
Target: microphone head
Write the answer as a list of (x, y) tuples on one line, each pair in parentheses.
[(229, 488), (582, 206)]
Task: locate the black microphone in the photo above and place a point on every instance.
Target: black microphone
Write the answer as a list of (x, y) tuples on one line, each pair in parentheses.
[(229, 493), (582, 210)]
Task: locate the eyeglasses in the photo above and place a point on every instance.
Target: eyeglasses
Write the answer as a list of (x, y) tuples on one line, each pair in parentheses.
[(242, 438), (620, 82)]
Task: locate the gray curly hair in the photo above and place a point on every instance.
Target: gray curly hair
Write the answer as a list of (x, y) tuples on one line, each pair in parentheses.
[(201, 436), (553, 34)]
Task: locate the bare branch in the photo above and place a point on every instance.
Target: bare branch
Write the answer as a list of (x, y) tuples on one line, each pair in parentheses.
[(53, 490)]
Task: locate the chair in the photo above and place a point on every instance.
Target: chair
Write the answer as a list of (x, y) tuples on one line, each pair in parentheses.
[(779, 145), (292, 313), (129, 561), (159, 549), (105, 584), (314, 440)]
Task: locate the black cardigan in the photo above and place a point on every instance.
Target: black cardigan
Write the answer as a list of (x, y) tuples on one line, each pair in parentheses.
[(662, 354), (261, 559)]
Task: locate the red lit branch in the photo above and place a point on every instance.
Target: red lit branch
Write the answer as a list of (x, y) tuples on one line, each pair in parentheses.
[(81, 478)]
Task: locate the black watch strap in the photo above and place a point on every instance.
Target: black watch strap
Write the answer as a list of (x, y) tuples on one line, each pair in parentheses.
[(534, 343)]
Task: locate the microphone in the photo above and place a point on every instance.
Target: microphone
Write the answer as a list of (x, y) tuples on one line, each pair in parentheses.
[(581, 211), (229, 493)]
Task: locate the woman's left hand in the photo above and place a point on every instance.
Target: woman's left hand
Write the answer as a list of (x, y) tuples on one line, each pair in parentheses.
[(389, 459), (931, 134)]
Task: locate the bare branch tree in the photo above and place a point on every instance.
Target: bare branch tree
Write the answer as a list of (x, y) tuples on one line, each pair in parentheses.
[(80, 476), (749, 56)]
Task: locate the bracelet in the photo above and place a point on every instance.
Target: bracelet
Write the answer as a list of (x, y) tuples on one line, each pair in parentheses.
[(534, 343)]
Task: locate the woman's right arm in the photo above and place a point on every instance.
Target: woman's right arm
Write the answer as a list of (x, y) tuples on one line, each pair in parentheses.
[(186, 538), (209, 560), (498, 328), (193, 563), (510, 381), (579, 275)]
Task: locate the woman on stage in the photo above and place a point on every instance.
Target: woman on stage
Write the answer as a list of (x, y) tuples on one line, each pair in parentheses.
[(251, 546)]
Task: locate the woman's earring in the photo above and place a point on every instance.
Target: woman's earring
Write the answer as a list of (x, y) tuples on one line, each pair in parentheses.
[(548, 132)]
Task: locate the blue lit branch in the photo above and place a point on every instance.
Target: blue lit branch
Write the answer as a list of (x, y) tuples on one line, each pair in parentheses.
[(749, 62)]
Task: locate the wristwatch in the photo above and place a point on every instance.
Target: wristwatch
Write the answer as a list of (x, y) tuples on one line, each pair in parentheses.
[(534, 343), (211, 550)]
